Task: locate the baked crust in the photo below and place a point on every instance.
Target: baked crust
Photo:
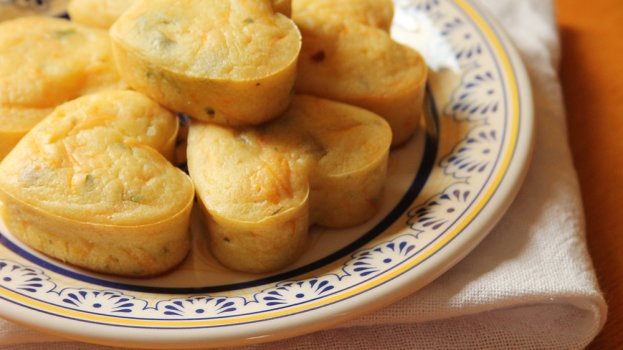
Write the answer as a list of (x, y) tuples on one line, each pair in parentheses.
[(222, 61), (361, 65), (45, 62), (322, 162), (91, 185)]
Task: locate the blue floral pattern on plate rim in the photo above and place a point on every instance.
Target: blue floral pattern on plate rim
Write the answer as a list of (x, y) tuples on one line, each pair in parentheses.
[(475, 173)]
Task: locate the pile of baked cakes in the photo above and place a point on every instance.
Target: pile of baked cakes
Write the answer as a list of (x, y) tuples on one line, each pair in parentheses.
[(294, 108)]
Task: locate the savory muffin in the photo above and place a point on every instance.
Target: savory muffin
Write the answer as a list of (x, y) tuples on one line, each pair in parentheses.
[(361, 65), (97, 13), (43, 63), (91, 185), (223, 61), (322, 162), (376, 13)]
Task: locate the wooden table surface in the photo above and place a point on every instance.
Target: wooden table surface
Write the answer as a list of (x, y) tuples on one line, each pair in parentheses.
[(592, 78)]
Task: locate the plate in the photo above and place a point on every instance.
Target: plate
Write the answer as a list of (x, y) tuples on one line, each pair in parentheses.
[(447, 188)]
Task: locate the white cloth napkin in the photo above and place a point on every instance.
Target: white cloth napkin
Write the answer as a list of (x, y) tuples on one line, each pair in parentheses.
[(529, 285)]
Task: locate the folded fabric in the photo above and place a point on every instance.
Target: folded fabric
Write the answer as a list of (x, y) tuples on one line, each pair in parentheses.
[(529, 285)]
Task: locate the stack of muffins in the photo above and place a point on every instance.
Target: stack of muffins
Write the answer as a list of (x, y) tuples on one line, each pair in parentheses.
[(294, 107)]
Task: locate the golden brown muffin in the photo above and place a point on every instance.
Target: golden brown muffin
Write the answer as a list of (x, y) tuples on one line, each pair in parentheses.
[(91, 185), (223, 61), (97, 13), (376, 13), (43, 63), (361, 65), (323, 162)]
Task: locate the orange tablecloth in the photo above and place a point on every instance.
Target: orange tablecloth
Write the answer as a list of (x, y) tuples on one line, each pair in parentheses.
[(592, 78)]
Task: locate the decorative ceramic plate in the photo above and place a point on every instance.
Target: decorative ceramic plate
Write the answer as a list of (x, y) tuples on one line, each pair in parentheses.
[(447, 188)]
